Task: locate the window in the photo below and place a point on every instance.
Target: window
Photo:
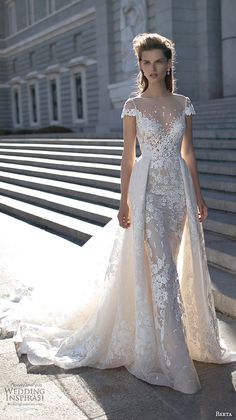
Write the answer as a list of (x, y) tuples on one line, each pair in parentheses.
[(78, 83), (77, 42), (33, 99), (12, 17), (54, 99), (52, 51), (16, 106), (51, 6), (14, 65), (30, 12), (33, 103), (32, 58), (54, 102), (78, 95)]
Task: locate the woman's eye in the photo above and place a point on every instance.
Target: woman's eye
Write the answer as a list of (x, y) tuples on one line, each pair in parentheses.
[(157, 62)]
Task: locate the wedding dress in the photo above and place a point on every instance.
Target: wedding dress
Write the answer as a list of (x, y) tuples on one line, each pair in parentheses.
[(141, 297)]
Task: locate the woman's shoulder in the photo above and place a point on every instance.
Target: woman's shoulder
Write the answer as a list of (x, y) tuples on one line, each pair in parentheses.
[(131, 98), (181, 98), (179, 95), (185, 98)]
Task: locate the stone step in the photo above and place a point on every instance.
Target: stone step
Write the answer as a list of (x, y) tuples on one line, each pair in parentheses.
[(89, 212), (75, 177), (228, 113), (71, 190), (113, 134), (93, 168), (220, 200), (79, 157), (218, 101), (71, 228), (207, 125), (217, 168), (221, 248), (116, 150), (211, 106), (207, 154), (214, 144), (218, 182), (224, 290), (210, 114), (210, 133), (61, 141), (211, 122), (213, 115), (221, 222), (214, 122)]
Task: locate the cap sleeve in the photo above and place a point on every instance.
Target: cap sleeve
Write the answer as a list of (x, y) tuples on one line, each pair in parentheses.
[(129, 108), (189, 109)]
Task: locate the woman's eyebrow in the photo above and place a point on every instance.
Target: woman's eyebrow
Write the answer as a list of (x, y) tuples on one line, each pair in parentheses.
[(158, 59)]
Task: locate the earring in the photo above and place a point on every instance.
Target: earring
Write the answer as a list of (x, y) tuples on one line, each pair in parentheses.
[(168, 72)]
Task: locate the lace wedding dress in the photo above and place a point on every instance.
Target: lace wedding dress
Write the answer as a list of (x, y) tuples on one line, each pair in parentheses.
[(141, 297)]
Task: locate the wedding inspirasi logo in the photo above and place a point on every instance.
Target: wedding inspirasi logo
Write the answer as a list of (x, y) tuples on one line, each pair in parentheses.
[(24, 394)]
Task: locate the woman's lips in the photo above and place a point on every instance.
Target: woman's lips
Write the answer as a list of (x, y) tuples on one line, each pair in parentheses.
[(153, 74)]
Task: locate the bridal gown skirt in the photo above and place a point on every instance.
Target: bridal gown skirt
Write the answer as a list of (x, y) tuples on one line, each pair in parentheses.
[(140, 297)]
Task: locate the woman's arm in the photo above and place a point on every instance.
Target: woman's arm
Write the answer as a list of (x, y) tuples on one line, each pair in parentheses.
[(127, 163), (188, 154)]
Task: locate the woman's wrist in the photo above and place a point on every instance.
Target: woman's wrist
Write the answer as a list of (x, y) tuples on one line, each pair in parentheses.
[(123, 199), (199, 194)]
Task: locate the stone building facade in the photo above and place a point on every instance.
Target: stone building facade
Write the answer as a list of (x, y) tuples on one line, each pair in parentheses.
[(69, 62)]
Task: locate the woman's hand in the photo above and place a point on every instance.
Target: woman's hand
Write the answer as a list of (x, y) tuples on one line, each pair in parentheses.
[(202, 209), (123, 215)]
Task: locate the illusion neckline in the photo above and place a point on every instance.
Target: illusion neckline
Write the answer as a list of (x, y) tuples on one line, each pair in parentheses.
[(156, 97)]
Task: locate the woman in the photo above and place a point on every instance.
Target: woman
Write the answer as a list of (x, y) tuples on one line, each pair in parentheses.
[(161, 199), (146, 301)]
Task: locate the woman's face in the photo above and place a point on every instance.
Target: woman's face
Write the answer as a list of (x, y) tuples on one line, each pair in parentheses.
[(154, 65)]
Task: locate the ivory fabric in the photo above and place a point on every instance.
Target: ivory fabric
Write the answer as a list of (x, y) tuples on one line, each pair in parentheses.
[(140, 297)]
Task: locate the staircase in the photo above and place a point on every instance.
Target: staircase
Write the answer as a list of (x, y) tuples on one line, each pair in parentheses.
[(71, 187), (214, 138), (216, 114)]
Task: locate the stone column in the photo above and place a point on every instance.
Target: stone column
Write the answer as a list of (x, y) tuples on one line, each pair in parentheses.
[(228, 28)]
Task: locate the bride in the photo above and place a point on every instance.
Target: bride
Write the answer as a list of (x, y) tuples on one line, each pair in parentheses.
[(139, 294)]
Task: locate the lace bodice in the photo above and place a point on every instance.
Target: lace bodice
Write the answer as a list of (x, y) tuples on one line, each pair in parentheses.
[(160, 123)]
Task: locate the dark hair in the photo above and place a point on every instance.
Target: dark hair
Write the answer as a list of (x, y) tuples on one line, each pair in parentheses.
[(149, 41)]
